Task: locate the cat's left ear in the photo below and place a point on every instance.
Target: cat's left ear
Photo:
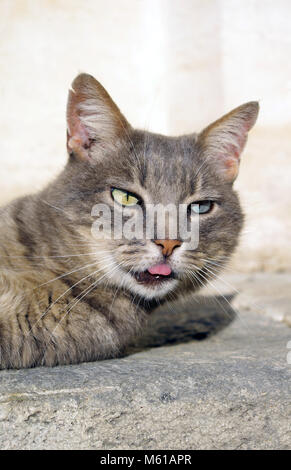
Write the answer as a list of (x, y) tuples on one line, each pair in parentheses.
[(94, 122), (223, 141)]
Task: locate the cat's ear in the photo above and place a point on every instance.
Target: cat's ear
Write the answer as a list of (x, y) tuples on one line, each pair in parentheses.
[(223, 141), (93, 119)]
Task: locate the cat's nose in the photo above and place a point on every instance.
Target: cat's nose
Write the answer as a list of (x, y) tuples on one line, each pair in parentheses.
[(168, 246)]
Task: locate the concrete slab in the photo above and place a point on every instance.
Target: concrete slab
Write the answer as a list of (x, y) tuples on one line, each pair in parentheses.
[(199, 378)]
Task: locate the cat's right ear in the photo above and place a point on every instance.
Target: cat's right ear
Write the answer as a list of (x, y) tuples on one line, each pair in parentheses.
[(93, 119), (223, 141)]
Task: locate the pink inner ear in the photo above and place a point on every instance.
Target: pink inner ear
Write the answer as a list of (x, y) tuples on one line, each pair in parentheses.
[(231, 166), (239, 140), (79, 143), (78, 133), (230, 158), (224, 140), (78, 137)]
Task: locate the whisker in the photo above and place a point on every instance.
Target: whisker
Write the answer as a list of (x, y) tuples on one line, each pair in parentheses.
[(236, 290), (70, 272), (87, 291), (61, 296), (54, 256), (217, 300)]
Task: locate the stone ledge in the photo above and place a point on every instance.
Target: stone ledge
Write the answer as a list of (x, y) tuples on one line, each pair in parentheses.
[(199, 378)]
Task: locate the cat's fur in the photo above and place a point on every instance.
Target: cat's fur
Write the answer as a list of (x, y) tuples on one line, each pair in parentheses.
[(63, 298)]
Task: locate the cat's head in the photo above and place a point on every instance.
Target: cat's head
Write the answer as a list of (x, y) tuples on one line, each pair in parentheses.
[(113, 164)]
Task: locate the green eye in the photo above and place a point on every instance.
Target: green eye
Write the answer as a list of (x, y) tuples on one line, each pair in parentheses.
[(201, 207), (124, 198)]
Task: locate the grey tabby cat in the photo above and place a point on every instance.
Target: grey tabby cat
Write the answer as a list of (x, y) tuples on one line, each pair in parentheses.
[(66, 297)]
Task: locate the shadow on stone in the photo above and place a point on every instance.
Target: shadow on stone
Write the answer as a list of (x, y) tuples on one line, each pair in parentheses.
[(181, 322)]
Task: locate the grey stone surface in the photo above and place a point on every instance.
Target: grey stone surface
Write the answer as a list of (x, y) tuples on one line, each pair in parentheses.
[(200, 378)]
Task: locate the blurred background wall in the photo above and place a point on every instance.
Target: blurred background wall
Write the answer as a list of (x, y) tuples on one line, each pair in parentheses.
[(172, 66)]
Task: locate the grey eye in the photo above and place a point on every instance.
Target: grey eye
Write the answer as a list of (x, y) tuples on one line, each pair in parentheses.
[(201, 207)]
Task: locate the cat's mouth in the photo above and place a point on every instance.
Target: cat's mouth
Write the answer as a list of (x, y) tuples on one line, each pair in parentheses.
[(155, 275)]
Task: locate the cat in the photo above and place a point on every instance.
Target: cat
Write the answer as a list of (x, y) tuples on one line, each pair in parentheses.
[(67, 297)]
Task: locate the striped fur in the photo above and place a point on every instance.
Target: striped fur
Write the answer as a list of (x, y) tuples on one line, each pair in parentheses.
[(67, 298)]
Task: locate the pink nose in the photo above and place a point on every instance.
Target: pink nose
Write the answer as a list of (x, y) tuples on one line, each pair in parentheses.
[(168, 246)]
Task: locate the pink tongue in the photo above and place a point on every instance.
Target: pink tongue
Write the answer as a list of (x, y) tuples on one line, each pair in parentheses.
[(162, 269)]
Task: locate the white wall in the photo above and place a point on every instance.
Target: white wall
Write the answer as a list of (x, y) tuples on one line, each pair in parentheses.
[(172, 66)]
